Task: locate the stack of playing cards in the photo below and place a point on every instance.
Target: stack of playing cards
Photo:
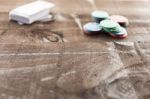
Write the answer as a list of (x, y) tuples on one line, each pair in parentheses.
[(29, 13)]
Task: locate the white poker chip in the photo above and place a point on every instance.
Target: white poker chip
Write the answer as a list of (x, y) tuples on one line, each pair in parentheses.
[(92, 27), (100, 14)]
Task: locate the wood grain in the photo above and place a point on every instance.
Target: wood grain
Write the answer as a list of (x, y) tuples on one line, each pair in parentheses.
[(55, 60)]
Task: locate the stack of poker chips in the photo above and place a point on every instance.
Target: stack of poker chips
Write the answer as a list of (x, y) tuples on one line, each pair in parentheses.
[(103, 23), (113, 29)]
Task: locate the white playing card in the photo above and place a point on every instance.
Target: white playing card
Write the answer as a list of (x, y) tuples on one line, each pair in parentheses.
[(46, 18)]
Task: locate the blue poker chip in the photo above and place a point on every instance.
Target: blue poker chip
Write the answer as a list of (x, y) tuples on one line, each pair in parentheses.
[(92, 28)]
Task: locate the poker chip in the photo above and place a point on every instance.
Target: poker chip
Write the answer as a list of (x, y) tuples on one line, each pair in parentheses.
[(113, 30), (114, 25), (122, 32), (109, 24), (120, 35), (98, 16), (92, 28), (123, 21)]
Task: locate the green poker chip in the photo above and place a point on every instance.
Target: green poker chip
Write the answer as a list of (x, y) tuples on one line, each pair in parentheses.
[(113, 30), (111, 27), (109, 24), (123, 34), (98, 16)]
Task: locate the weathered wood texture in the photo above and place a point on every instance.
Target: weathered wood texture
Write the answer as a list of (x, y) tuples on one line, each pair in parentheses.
[(55, 60)]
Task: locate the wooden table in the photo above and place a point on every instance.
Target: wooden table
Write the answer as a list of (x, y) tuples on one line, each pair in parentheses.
[(55, 60)]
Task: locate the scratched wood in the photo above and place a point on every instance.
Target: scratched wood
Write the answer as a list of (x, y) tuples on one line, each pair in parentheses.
[(55, 60)]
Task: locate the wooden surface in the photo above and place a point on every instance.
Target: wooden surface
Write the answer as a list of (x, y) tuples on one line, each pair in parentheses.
[(55, 60)]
